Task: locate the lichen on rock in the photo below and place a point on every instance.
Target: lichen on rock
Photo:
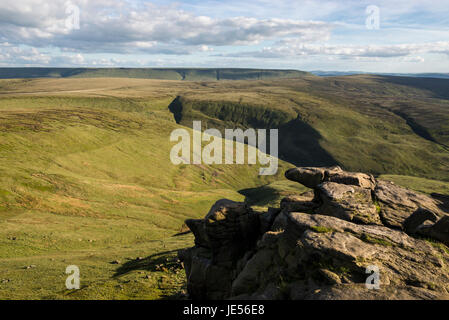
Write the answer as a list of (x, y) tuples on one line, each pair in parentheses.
[(318, 246)]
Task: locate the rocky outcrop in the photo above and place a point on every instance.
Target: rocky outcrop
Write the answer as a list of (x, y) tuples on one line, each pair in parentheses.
[(311, 177), (398, 203), (347, 202), (323, 245), (227, 232)]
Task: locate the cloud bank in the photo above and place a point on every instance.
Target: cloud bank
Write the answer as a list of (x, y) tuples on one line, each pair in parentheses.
[(134, 32)]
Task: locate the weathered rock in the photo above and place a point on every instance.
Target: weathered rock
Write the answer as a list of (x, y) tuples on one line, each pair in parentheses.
[(443, 201), (205, 280), (198, 228), (440, 230), (301, 203), (419, 220), (316, 251), (397, 203), (347, 202), (227, 232), (266, 219), (323, 251), (231, 228), (311, 177), (358, 179), (359, 292)]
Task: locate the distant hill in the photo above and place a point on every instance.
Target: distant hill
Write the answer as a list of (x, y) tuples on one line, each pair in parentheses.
[(193, 74), (348, 73)]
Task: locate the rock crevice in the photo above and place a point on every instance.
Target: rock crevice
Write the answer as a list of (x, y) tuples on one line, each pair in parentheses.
[(318, 245)]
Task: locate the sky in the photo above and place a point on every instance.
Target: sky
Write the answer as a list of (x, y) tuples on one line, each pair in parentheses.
[(391, 36)]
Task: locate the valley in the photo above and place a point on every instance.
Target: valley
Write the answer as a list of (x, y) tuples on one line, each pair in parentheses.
[(86, 177)]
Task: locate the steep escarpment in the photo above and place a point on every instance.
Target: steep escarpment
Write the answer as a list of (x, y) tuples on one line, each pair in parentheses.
[(299, 143), (189, 74), (323, 244), (368, 124), (228, 114)]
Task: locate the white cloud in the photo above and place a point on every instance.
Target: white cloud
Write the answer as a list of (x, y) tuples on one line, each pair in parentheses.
[(413, 59), (10, 55), (223, 33), (293, 47), (120, 27)]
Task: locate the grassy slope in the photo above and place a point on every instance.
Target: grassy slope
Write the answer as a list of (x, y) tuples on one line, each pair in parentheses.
[(419, 184), (85, 176), (364, 123), (86, 180)]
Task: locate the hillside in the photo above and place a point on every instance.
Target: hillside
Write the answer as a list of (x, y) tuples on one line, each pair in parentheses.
[(348, 73), (188, 74), (86, 177), (381, 125)]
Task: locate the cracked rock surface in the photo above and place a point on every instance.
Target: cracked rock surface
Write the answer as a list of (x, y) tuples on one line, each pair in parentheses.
[(323, 245)]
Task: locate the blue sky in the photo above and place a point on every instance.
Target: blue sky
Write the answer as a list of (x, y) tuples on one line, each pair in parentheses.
[(412, 36)]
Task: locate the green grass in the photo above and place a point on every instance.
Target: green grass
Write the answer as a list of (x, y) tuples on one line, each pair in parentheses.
[(271, 194), (438, 245), (156, 276), (363, 123), (378, 207), (419, 184), (88, 180), (85, 175), (368, 239), (321, 229)]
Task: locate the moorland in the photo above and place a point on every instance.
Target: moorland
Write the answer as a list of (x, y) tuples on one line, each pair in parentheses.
[(86, 178)]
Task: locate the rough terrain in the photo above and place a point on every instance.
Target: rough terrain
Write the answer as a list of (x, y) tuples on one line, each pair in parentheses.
[(323, 244)]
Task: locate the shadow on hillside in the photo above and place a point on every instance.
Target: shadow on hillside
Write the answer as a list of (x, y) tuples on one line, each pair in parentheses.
[(175, 107), (299, 144), (438, 87), (260, 196), (163, 262), (150, 263), (415, 126)]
